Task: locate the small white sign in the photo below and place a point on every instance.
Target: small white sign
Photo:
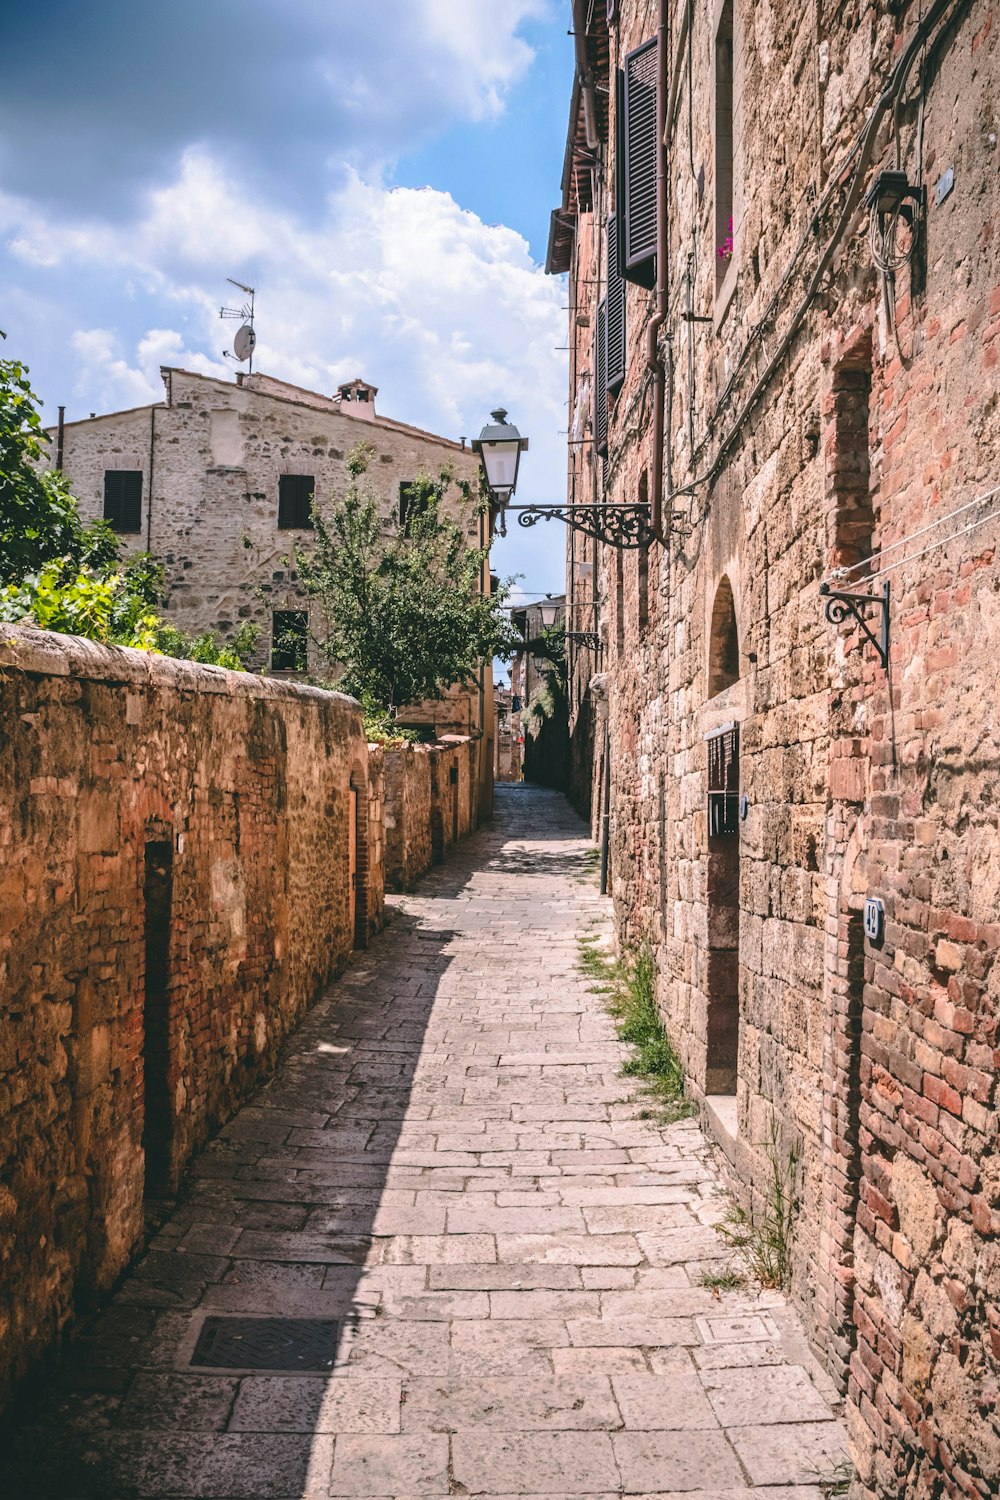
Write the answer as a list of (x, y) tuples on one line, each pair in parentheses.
[(874, 919)]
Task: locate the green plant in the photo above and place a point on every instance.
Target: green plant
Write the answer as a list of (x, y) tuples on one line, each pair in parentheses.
[(629, 985), (39, 519), (764, 1237), (382, 729), (401, 603), (729, 1279)]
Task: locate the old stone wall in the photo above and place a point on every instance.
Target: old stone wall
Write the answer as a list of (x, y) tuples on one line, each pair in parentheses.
[(407, 815), (175, 893), (802, 437)]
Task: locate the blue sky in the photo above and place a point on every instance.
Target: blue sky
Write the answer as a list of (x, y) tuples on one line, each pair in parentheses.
[(383, 173)]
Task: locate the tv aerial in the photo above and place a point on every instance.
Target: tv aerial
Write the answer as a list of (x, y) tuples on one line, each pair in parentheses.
[(245, 340)]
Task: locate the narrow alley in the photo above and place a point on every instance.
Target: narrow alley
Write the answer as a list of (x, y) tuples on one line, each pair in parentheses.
[(448, 1169)]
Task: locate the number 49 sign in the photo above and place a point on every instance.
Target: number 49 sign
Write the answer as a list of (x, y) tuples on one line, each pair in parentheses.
[(874, 921)]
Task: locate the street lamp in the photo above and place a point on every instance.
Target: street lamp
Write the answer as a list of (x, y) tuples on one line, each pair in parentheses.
[(548, 613), (500, 446)]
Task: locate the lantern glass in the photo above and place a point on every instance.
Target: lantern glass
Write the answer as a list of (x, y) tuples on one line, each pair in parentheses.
[(500, 446)]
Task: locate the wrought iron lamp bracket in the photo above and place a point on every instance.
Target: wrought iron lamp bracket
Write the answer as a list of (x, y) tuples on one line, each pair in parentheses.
[(841, 605), (625, 526), (587, 638)]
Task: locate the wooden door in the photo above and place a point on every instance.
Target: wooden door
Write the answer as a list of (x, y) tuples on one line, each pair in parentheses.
[(352, 863)]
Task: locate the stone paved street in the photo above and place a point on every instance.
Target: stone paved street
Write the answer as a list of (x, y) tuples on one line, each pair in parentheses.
[(448, 1165)]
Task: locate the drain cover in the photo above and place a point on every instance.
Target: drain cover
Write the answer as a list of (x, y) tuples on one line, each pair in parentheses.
[(267, 1344)]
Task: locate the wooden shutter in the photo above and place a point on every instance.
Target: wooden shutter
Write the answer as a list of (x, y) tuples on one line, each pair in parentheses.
[(290, 640), (639, 150), (614, 373), (724, 782), (123, 499), (600, 381), (295, 494)]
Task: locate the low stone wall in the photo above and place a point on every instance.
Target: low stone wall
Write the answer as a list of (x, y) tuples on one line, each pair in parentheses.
[(432, 800), (407, 815), (374, 850), (174, 893)]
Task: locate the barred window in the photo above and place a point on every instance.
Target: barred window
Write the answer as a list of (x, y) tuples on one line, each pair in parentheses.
[(724, 781)]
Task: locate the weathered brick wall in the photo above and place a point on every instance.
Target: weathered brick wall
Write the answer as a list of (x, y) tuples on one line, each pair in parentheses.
[(877, 1065), (133, 788), (373, 850)]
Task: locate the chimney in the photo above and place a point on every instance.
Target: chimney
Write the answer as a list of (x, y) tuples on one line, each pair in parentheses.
[(357, 399)]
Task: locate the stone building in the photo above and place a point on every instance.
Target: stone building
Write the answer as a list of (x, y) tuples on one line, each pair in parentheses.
[(216, 481), (780, 232)]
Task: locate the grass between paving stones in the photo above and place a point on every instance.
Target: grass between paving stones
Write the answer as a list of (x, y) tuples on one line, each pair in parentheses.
[(763, 1237), (628, 987)]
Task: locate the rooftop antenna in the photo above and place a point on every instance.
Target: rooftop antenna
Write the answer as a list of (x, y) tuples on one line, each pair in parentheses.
[(246, 339)]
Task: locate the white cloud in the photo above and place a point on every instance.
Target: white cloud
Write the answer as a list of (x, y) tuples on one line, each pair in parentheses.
[(446, 314)]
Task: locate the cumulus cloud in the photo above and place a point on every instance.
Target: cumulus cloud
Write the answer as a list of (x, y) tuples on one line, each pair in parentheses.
[(96, 100)]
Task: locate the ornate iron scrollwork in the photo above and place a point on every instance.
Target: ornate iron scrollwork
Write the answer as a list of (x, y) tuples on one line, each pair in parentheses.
[(625, 526), (587, 638), (842, 605)]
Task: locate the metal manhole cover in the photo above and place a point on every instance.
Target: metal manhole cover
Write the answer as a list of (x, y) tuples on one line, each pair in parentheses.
[(267, 1344)]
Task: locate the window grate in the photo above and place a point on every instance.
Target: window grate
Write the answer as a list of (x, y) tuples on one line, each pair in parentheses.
[(724, 782), (295, 497), (123, 499)]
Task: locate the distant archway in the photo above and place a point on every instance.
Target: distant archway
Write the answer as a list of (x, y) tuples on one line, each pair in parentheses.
[(723, 641)]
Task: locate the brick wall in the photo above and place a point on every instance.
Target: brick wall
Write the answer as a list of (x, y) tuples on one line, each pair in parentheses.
[(877, 1064), (174, 895)]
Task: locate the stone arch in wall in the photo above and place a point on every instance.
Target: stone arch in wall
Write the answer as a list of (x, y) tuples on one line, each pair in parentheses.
[(358, 855), (723, 640)]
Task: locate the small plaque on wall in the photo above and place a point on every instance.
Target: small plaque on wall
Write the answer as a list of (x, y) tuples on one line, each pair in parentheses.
[(874, 921)]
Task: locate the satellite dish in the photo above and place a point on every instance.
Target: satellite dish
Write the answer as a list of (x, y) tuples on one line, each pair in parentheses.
[(244, 342)]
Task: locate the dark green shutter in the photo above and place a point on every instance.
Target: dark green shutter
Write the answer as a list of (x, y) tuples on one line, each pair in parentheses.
[(637, 141), (600, 382), (614, 372)]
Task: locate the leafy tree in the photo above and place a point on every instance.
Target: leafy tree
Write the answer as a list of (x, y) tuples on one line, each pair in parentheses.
[(403, 615), (57, 573), (39, 520)]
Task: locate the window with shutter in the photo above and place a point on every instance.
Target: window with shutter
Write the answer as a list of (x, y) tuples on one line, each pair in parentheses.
[(600, 383), (724, 782), (123, 499), (637, 148), (413, 501), (614, 373), (295, 495), (289, 640)]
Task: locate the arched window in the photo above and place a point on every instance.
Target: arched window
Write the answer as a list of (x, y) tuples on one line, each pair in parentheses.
[(724, 642)]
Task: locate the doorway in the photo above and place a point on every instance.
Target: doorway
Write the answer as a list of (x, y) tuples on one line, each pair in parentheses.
[(723, 895)]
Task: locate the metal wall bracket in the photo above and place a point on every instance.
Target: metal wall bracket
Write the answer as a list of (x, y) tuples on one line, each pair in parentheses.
[(840, 605), (588, 638), (625, 526)]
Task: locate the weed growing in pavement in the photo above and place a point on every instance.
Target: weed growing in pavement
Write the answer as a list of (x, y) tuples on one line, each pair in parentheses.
[(836, 1481), (765, 1238), (628, 984), (729, 1279)]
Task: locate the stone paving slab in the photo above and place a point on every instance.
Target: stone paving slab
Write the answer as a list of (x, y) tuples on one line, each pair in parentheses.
[(449, 1165)]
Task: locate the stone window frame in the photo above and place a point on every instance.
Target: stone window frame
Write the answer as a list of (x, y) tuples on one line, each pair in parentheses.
[(727, 134)]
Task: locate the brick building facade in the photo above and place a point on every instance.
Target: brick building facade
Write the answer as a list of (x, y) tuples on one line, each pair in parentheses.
[(787, 356), (216, 482)]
